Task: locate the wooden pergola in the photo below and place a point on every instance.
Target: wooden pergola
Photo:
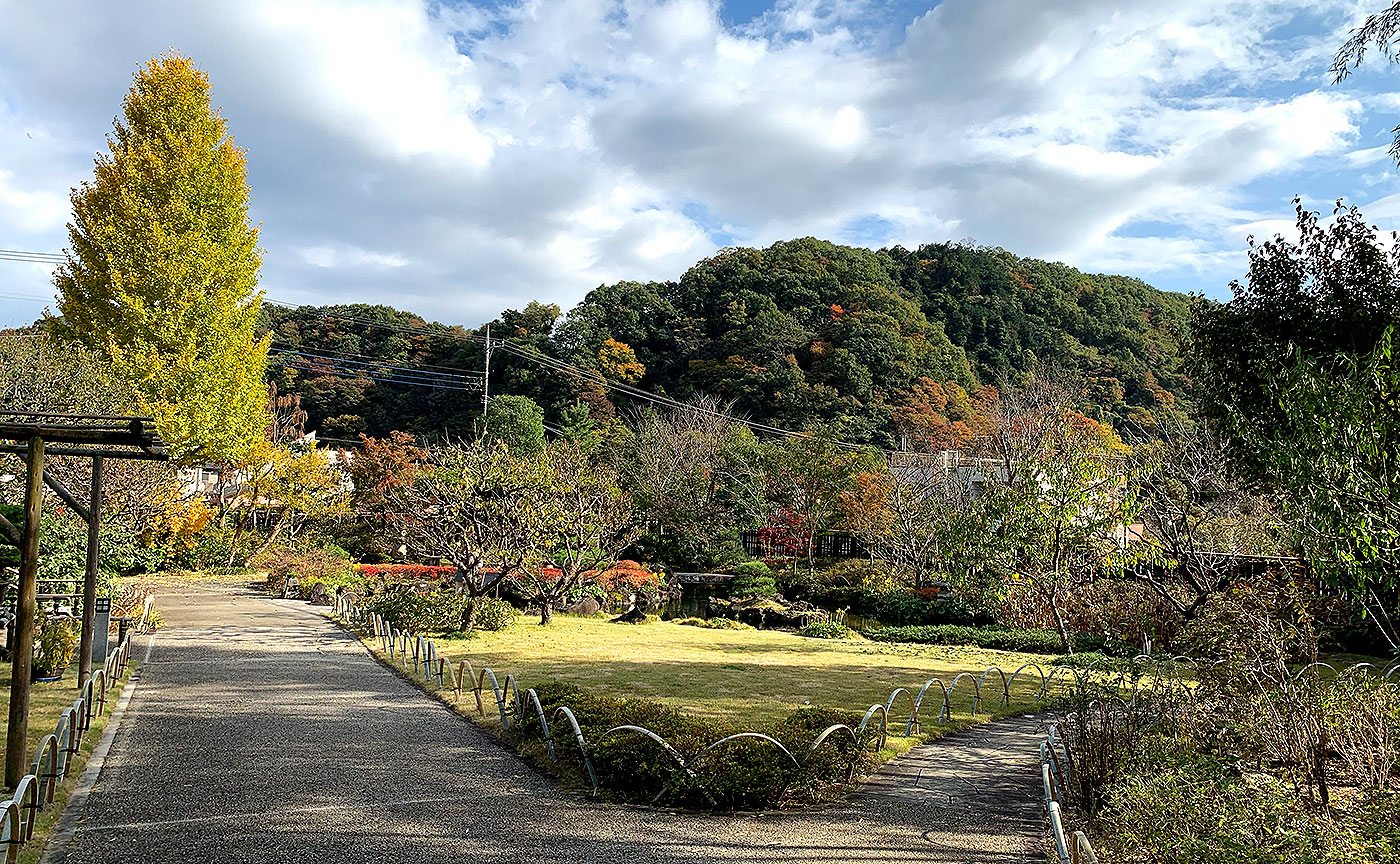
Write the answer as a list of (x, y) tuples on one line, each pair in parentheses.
[(91, 436)]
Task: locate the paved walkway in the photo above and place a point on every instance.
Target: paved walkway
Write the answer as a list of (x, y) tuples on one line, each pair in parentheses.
[(259, 731)]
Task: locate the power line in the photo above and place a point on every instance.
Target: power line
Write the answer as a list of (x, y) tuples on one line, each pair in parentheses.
[(279, 341), (35, 297), (31, 257), (525, 353), (590, 376), (314, 368), (379, 367)]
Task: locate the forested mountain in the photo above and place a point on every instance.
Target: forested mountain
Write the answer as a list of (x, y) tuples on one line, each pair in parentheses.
[(891, 347)]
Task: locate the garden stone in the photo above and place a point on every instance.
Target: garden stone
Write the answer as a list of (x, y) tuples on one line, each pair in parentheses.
[(319, 597), (585, 606)]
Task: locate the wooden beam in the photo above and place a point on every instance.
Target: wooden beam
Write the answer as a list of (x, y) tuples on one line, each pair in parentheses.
[(50, 414), (67, 497), (153, 455), (9, 531), (94, 521), (133, 434), (22, 645)]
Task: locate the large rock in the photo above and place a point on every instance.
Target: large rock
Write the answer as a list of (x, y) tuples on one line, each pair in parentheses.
[(585, 606), (319, 597), (635, 615), (767, 614)]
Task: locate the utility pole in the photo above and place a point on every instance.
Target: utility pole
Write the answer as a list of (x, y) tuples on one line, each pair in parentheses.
[(486, 377)]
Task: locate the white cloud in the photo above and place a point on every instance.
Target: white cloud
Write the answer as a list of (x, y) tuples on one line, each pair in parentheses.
[(466, 158)]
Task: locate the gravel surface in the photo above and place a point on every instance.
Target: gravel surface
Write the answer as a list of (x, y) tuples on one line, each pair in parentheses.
[(259, 731)]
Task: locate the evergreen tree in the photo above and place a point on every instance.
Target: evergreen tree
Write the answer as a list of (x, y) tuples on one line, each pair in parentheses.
[(517, 422), (163, 263)]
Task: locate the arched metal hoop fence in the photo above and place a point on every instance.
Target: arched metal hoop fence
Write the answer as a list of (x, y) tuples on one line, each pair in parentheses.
[(1057, 763), (56, 753), (993, 687)]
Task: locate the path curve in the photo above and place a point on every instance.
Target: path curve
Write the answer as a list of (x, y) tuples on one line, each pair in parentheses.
[(261, 732)]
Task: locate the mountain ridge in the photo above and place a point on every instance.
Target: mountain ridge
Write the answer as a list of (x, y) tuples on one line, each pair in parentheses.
[(889, 346)]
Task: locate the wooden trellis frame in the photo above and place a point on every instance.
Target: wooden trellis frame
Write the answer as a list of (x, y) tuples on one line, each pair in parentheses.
[(94, 436)]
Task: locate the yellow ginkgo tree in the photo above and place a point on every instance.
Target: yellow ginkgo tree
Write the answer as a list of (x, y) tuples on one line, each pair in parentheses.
[(162, 266), (290, 484)]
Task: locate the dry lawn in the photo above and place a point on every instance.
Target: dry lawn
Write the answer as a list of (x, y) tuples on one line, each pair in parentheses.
[(746, 676)]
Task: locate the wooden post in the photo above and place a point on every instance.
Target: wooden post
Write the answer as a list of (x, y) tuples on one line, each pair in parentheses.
[(90, 575), (22, 646)]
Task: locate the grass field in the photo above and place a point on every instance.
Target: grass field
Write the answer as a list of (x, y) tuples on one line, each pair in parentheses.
[(746, 676), (46, 702)]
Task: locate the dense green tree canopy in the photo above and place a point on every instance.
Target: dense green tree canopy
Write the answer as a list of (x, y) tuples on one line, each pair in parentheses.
[(1327, 297), (892, 347)]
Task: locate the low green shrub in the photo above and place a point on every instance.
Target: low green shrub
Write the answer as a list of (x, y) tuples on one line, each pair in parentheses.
[(1000, 638), (494, 614), (1095, 659), (746, 773), (58, 639), (898, 607), (753, 579), (827, 630), (432, 612), (713, 623), (753, 570)]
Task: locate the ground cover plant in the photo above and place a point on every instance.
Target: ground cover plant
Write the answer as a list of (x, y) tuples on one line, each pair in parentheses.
[(740, 676), (703, 688), (46, 702)]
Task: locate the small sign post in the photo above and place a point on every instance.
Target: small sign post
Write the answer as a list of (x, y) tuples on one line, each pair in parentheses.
[(102, 622)]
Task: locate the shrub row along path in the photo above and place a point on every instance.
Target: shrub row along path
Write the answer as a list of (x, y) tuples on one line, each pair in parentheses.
[(259, 731)]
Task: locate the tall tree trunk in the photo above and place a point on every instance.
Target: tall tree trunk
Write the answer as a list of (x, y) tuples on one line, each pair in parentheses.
[(271, 538), (1061, 625), (469, 617)]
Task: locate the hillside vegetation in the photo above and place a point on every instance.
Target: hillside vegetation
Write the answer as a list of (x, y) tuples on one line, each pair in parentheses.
[(889, 347)]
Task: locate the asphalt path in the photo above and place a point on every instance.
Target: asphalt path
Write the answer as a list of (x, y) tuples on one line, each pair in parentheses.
[(259, 731)]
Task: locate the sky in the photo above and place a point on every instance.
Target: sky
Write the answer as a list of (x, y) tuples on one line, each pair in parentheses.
[(456, 159)]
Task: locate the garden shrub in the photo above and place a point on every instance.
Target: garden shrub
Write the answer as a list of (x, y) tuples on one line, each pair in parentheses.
[(753, 570), (390, 574), (1096, 659), (902, 607), (745, 773), (714, 623), (429, 612), (54, 647), (309, 566), (753, 579), (493, 614), (1000, 638), (827, 630)]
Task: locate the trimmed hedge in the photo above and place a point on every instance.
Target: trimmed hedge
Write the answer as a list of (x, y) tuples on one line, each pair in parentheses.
[(433, 612), (391, 573), (746, 773), (1001, 638), (900, 607), (438, 611)]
